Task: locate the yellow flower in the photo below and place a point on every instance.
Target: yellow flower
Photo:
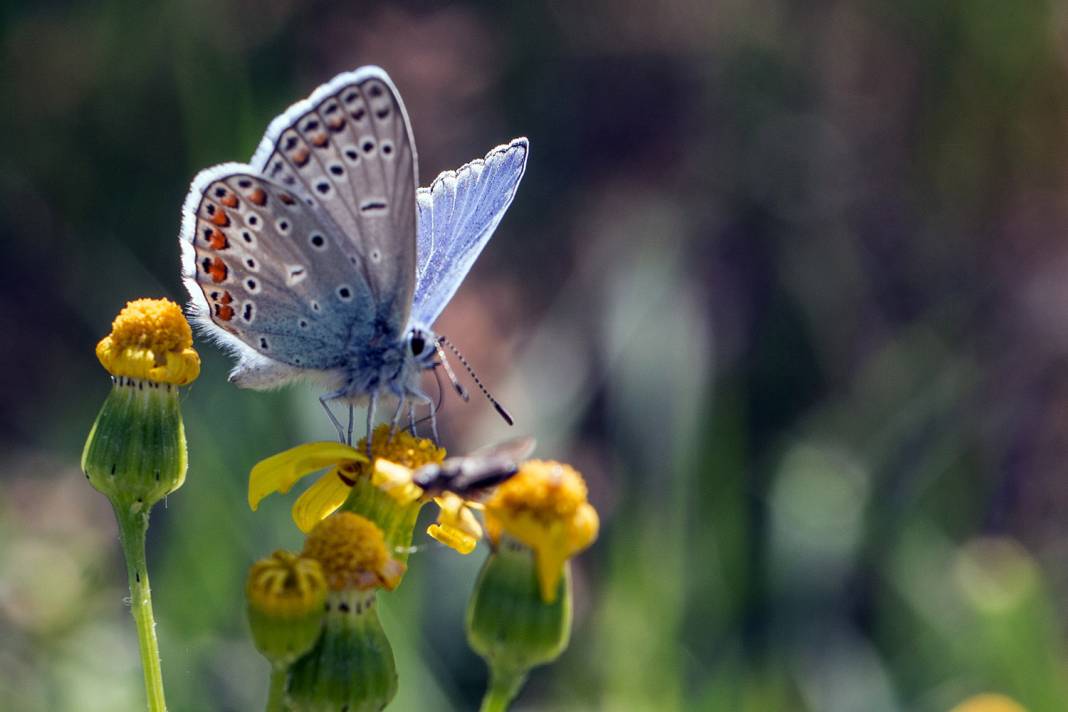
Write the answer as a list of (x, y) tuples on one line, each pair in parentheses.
[(280, 472), (352, 553), (285, 585), (544, 506), (989, 702), (150, 340), (456, 526)]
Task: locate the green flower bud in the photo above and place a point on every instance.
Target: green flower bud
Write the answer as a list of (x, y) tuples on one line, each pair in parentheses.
[(286, 594), (351, 667), (508, 621), (135, 454), (136, 451)]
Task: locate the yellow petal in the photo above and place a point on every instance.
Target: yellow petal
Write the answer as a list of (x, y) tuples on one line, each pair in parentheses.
[(280, 472), (457, 526), (396, 481), (453, 538), (320, 501)]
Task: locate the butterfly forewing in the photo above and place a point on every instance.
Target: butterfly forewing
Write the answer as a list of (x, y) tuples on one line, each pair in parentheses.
[(349, 148), (275, 270), (457, 216)]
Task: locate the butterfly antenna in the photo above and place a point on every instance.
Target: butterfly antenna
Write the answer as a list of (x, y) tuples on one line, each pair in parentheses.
[(460, 390), (496, 404)]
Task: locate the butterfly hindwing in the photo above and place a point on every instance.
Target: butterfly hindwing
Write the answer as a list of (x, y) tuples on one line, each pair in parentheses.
[(273, 269), (457, 216), (349, 146)]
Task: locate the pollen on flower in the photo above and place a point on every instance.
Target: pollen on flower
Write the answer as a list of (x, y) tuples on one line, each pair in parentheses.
[(402, 448), (544, 506), (285, 585), (150, 339), (352, 552)]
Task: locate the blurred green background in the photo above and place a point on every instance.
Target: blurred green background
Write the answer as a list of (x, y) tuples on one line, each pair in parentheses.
[(787, 281)]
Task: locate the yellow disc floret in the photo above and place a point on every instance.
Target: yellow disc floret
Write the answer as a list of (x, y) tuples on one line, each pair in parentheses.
[(150, 339), (402, 448), (352, 552), (285, 585), (544, 506)]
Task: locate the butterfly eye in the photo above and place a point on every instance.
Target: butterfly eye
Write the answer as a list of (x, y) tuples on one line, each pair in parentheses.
[(417, 343)]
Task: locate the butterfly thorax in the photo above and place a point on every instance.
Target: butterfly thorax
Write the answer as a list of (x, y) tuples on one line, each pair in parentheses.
[(386, 362)]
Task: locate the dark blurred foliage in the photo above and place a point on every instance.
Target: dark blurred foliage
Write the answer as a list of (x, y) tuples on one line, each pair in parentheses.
[(786, 280)]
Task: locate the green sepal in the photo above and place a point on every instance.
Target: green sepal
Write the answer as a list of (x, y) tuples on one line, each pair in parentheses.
[(351, 667), (283, 639), (396, 520), (136, 452), (508, 623)]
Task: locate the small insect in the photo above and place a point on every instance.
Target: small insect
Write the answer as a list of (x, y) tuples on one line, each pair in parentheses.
[(474, 474), (320, 259)]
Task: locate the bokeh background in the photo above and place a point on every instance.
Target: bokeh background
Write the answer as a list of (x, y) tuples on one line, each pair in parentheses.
[(788, 282)]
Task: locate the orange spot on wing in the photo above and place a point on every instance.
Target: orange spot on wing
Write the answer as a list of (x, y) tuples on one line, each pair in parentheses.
[(319, 140), (218, 270), (229, 200), (226, 298), (224, 312), (336, 123), (220, 218), (259, 197), (218, 239), (286, 198), (300, 156)]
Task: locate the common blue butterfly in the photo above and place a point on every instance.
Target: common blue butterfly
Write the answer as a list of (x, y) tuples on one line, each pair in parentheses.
[(320, 258)]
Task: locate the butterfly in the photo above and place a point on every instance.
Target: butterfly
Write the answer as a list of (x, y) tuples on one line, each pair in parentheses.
[(321, 259)]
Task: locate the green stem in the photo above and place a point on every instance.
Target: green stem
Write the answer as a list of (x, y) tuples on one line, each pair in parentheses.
[(276, 698), (133, 525), (503, 687)]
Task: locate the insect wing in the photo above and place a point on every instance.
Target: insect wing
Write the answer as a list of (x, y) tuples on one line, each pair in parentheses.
[(266, 269), (349, 146), (457, 216)]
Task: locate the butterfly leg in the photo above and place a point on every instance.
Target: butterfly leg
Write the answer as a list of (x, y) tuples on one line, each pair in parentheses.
[(352, 421), (418, 395), (333, 419), (411, 419), (371, 420), (394, 422)]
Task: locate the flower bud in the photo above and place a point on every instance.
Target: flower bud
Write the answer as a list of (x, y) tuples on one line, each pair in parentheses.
[(136, 451), (286, 594), (351, 666)]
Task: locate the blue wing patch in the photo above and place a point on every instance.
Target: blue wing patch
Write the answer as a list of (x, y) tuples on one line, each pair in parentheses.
[(457, 215)]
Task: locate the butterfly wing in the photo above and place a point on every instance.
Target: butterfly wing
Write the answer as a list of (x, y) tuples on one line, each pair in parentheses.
[(349, 146), (457, 215), (271, 276)]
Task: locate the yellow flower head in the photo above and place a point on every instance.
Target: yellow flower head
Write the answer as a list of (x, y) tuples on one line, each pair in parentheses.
[(280, 472), (352, 552), (989, 702), (285, 585), (150, 339), (544, 506)]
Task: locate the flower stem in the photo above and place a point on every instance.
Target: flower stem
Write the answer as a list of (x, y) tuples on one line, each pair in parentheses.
[(503, 687), (276, 698), (133, 525)]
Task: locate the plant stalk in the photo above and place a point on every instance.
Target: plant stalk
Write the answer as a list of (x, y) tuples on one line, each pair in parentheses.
[(503, 687), (277, 696), (133, 526)]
